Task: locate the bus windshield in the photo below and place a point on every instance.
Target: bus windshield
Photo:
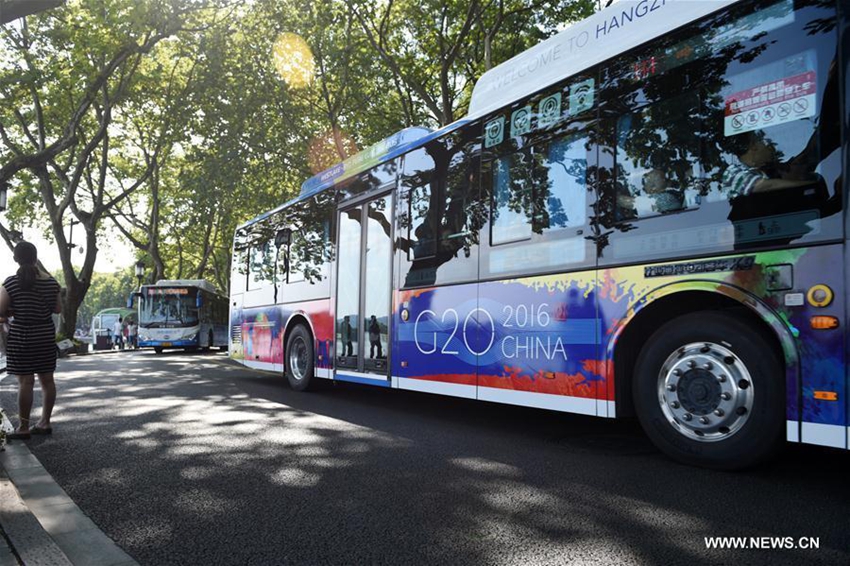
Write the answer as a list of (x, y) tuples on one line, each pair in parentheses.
[(170, 310)]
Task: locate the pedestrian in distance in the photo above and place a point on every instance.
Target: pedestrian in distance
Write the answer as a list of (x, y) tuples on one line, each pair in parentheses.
[(118, 333), (132, 335), (30, 298), (375, 338), (347, 336)]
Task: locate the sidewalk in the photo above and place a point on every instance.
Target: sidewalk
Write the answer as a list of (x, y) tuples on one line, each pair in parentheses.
[(43, 526)]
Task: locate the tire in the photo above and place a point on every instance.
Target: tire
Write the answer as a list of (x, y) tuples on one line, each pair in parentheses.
[(157, 349), (727, 410), (298, 359)]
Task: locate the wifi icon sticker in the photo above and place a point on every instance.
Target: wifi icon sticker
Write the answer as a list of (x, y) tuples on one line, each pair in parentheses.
[(581, 97), (494, 132), (549, 110), (521, 121)]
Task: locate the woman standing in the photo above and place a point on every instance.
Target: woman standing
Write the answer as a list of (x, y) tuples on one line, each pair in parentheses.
[(30, 298)]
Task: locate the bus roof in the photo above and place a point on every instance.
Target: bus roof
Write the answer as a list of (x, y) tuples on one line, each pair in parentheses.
[(362, 160), (389, 148), (609, 32)]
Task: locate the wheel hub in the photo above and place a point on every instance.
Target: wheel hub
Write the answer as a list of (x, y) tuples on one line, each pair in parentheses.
[(699, 391), (298, 358), (705, 391)]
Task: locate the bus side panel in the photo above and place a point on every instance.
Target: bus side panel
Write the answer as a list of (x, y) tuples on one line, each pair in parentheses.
[(545, 343), (258, 334), (824, 418), (531, 342), (261, 337), (436, 335), (775, 284), (234, 349), (321, 322)]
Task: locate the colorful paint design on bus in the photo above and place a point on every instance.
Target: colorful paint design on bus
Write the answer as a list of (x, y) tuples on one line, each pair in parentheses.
[(262, 333), (557, 334)]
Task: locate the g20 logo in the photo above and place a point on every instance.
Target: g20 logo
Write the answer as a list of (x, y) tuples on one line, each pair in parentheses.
[(451, 317), (475, 330)]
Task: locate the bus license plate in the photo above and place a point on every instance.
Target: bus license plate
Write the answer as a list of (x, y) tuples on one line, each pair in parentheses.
[(166, 344)]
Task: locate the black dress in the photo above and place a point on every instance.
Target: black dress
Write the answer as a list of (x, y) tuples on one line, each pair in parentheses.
[(31, 345)]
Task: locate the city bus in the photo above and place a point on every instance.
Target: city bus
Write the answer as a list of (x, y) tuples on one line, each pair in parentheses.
[(641, 216), (182, 313)]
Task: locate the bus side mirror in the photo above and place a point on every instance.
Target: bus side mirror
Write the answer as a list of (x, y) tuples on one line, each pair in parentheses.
[(133, 296), (199, 300)]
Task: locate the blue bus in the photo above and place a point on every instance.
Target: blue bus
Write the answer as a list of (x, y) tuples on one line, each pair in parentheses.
[(182, 313)]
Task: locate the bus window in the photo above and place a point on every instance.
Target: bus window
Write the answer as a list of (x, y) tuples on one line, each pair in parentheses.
[(540, 189), (512, 198), (418, 168), (658, 159), (262, 265), (439, 214), (421, 231), (239, 263), (775, 169), (297, 264), (563, 202), (736, 119)]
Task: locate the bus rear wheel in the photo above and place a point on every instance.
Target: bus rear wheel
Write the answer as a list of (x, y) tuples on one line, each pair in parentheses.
[(299, 359), (709, 391)]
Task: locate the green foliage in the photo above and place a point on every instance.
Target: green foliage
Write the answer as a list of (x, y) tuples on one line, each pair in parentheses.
[(107, 290), (199, 132)]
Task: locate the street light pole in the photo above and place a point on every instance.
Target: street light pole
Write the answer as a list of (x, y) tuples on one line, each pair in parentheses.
[(140, 272), (71, 244)]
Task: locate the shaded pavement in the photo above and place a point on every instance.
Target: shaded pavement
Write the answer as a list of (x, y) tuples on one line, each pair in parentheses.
[(190, 460)]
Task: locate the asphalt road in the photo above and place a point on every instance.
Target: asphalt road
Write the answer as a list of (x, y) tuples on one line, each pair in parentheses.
[(189, 460)]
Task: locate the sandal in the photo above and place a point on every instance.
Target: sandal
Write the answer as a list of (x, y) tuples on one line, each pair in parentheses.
[(18, 435), (41, 430)]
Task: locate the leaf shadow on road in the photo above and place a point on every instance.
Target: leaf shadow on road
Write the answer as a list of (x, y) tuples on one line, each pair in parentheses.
[(186, 460)]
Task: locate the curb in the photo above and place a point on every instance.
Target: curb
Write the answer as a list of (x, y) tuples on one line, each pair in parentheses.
[(29, 542), (42, 524)]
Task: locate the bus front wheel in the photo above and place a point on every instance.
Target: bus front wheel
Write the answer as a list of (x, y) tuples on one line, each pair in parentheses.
[(709, 391), (157, 349), (299, 359)]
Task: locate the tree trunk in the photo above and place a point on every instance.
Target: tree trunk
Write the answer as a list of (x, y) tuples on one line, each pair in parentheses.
[(72, 298), (158, 266)]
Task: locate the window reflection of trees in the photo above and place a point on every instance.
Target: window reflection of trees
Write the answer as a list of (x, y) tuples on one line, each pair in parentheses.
[(686, 133), (310, 249), (440, 215), (304, 258), (534, 188)]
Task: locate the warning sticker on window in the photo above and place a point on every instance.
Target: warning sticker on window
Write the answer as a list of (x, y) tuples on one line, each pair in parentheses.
[(770, 104)]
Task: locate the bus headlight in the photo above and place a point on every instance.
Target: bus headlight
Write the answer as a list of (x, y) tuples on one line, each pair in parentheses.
[(191, 336)]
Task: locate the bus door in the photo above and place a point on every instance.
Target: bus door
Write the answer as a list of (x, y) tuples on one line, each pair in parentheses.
[(363, 281)]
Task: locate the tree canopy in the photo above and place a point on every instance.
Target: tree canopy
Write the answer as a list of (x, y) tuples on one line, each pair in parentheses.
[(173, 121)]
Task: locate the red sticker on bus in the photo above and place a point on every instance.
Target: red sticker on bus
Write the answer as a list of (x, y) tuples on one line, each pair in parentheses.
[(770, 104)]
